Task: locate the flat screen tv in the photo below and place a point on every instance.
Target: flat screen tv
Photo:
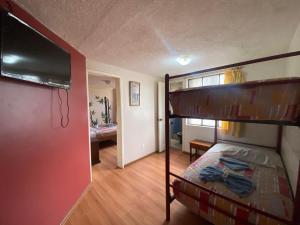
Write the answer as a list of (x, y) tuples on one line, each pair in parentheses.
[(28, 55)]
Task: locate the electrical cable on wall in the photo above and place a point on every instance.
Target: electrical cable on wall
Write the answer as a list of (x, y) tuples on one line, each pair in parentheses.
[(61, 111)]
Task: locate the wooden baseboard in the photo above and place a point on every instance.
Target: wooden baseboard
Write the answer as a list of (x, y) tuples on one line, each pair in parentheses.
[(134, 161), (76, 203)]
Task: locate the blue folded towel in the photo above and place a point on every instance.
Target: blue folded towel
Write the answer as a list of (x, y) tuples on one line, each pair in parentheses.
[(234, 164), (240, 185)]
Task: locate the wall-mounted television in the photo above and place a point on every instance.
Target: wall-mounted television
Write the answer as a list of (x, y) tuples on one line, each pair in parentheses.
[(28, 55)]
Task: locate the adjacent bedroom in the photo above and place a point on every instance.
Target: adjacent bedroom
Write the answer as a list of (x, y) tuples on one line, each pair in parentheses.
[(102, 109)]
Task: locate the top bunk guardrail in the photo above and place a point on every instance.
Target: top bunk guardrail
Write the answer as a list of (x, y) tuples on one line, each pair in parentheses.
[(275, 101)]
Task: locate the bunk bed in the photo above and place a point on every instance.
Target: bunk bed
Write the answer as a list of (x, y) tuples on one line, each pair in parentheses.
[(275, 101)]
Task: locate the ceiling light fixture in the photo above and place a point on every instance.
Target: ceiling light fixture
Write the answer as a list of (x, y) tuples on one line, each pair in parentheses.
[(184, 60)]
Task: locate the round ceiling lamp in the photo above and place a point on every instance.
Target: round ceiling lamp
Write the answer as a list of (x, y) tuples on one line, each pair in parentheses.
[(184, 60)]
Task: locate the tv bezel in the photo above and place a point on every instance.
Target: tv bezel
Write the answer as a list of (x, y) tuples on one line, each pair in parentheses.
[(46, 83)]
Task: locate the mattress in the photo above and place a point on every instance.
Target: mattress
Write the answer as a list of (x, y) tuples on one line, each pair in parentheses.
[(103, 131), (272, 193)]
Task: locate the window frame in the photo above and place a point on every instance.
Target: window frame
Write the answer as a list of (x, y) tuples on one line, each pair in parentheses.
[(201, 120)]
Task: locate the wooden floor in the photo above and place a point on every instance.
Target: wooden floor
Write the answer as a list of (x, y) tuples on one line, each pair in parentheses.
[(134, 195)]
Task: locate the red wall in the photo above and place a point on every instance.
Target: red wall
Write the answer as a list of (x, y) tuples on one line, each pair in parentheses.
[(43, 167)]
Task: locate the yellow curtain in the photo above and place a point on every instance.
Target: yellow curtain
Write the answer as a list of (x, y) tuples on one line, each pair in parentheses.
[(232, 76)]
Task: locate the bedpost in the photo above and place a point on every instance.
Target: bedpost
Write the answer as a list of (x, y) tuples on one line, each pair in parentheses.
[(296, 217), (167, 112), (279, 139), (216, 131)]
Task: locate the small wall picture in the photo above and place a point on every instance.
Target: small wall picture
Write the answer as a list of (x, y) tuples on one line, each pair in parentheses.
[(134, 93)]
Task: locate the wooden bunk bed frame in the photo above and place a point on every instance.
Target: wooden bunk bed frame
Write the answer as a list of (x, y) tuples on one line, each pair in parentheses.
[(168, 173)]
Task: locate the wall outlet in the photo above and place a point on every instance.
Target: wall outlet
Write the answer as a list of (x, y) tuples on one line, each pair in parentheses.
[(143, 146)]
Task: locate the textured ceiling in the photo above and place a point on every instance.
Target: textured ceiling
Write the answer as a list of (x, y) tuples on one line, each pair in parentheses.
[(148, 35)]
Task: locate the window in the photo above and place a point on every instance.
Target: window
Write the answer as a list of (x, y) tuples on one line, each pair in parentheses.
[(216, 79)]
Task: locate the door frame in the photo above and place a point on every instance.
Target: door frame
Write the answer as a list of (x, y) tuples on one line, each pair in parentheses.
[(162, 97), (119, 97)]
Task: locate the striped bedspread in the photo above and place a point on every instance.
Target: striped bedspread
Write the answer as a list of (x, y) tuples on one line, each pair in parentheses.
[(272, 193)]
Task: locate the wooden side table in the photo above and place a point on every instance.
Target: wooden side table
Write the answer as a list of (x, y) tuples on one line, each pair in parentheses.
[(198, 145), (95, 145)]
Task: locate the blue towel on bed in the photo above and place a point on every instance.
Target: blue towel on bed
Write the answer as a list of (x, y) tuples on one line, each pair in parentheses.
[(234, 164), (240, 185)]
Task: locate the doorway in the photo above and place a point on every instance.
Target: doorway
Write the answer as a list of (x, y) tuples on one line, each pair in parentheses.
[(175, 124), (176, 133), (104, 108), (161, 116)]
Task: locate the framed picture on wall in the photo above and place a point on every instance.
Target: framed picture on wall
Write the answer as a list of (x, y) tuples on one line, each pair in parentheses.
[(134, 93)]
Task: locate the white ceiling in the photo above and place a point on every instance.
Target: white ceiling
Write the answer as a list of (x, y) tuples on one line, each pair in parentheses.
[(148, 35)]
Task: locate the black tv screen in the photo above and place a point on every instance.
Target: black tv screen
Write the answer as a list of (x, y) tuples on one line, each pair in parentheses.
[(28, 55)]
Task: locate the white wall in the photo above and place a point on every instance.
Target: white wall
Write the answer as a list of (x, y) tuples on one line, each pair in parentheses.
[(254, 133), (139, 122), (291, 135)]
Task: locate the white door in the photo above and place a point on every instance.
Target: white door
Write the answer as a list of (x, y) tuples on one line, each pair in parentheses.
[(161, 117)]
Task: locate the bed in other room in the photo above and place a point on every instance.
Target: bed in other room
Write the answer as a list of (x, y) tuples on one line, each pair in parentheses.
[(104, 133)]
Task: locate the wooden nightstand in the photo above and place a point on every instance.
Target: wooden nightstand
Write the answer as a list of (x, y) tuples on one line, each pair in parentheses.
[(95, 145), (198, 145)]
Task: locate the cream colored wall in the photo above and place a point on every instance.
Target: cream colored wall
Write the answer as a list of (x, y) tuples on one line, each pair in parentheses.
[(254, 133), (139, 122), (291, 135)]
